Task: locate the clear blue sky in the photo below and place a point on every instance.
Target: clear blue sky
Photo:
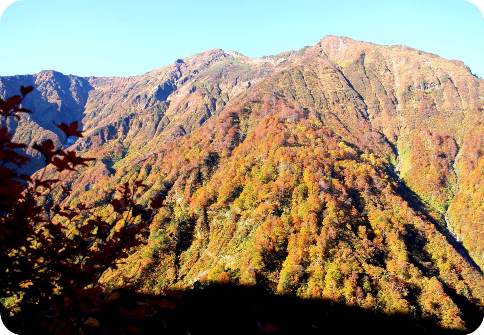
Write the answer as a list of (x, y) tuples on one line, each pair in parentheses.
[(125, 37)]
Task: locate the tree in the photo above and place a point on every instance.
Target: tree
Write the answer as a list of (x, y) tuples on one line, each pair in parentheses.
[(49, 250)]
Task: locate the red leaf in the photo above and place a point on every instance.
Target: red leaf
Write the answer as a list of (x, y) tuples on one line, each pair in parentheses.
[(61, 164), (47, 149), (13, 101), (71, 129), (26, 90), (75, 160), (45, 183), (69, 161)]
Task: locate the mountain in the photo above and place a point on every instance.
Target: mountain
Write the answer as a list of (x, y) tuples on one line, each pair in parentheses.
[(346, 170), (173, 100)]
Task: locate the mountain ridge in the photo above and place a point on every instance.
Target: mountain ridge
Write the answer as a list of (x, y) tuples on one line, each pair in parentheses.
[(341, 170), (328, 37)]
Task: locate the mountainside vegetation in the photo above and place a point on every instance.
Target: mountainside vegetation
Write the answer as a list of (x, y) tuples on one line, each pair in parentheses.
[(346, 172)]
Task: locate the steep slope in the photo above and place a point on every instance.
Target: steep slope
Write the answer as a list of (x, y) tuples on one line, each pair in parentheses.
[(346, 170), (168, 102), (178, 98), (430, 110)]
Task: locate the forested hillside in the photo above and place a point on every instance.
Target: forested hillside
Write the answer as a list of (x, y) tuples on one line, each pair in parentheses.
[(346, 171)]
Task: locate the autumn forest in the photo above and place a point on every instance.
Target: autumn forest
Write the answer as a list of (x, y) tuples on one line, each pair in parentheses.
[(228, 194)]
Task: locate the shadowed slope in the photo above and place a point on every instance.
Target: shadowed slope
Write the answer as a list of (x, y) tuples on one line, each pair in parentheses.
[(222, 309)]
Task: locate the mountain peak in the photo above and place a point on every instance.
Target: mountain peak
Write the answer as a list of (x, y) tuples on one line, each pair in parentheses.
[(339, 43), (336, 38), (344, 171), (210, 54), (49, 74)]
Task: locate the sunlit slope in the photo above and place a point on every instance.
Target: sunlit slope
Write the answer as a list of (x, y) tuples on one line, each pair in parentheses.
[(346, 170)]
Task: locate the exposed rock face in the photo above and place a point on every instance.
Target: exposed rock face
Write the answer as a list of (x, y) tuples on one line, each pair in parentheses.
[(183, 95), (346, 170), (57, 98)]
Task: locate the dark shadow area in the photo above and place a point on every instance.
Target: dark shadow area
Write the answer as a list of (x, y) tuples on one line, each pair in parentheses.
[(415, 242), (227, 309), (416, 203), (471, 313)]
